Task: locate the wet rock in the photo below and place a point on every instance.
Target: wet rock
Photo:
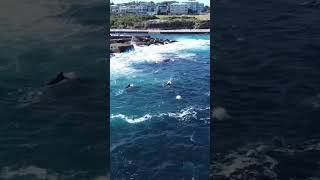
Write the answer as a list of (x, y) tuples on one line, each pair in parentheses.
[(120, 47), (147, 41), (119, 44)]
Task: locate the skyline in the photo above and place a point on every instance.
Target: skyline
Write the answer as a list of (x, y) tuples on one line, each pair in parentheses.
[(205, 2)]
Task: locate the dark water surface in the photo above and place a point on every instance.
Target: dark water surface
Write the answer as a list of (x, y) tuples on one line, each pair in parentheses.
[(55, 132), (266, 90)]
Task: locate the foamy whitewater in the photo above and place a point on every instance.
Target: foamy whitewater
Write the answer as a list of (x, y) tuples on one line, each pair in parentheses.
[(122, 63), (161, 132)]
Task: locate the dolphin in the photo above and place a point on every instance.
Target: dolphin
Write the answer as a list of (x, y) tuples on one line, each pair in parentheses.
[(168, 84), (62, 77), (129, 86)]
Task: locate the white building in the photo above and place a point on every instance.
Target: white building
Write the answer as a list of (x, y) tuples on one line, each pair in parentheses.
[(132, 10), (178, 8), (163, 8), (142, 8), (194, 6)]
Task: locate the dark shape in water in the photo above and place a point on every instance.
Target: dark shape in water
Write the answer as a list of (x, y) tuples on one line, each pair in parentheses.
[(62, 77), (166, 60), (129, 86), (168, 84)]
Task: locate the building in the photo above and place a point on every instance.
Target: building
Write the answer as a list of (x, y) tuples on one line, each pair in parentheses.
[(163, 8), (132, 8), (194, 7), (178, 9), (201, 8), (114, 9), (146, 8), (151, 6), (127, 10)]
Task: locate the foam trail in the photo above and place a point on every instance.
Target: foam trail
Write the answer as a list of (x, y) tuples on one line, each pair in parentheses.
[(184, 115)]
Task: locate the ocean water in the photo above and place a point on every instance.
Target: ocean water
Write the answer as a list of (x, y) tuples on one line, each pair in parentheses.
[(152, 134), (266, 90), (57, 132)]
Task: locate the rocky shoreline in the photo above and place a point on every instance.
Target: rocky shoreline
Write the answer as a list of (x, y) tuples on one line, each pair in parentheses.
[(120, 43), (163, 23), (162, 31)]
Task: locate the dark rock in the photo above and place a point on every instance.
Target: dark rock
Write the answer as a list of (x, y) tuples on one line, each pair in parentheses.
[(120, 47), (121, 44), (147, 41)]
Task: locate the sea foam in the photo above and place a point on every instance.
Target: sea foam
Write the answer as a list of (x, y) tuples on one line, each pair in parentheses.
[(123, 63), (184, 114)]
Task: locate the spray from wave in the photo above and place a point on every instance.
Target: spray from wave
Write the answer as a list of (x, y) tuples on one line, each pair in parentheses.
[(123, 63)]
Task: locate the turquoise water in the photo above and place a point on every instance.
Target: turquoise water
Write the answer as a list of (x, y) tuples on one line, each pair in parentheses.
[(154, 135)]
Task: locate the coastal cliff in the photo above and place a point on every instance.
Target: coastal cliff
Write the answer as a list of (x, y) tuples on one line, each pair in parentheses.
[(155, 22), (173, 24)]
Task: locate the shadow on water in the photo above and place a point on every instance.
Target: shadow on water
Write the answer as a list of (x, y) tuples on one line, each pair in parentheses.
[(267, 83), (57, 132)]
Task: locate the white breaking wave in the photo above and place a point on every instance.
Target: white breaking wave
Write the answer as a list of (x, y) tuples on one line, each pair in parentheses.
[(132, 120), (184, 115), (122, 63)]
